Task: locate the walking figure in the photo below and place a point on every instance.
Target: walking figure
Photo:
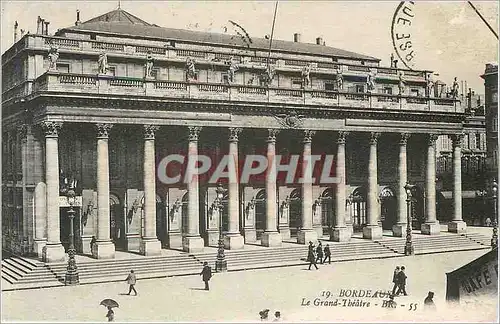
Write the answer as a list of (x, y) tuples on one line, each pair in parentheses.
[(110, 315), (206, 274), (310, 256), (395, 280), (328, 254), (131, 280), (402, 282), (319, 253)]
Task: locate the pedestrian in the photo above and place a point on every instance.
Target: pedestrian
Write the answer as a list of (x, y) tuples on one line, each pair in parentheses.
[(92, 244), (264, 314), (319, 253), (328, 254), (110, 315), (395, 280), (277, 316), (402, 282), (310, 256), (206, 274), (428, 302), (131, 280)]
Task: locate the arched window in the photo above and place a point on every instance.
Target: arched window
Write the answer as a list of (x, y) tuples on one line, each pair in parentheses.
[(295, 211), (327, 213), (260, 212), (357, 201)]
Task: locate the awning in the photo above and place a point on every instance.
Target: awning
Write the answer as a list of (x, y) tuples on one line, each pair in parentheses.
[(466, 194)]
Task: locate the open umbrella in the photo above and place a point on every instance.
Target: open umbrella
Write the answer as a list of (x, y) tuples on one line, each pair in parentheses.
[(109, 303)]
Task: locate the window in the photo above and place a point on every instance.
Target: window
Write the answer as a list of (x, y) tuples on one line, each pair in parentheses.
[(494, 125), (360, 88), (297, 84), (62, 67), (478, 141), (387, 90), (414, 92), (334, 59), (329, 86), (112, 70), (92, 36)]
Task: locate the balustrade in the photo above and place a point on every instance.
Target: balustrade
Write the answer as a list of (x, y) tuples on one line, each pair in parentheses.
[(325, 65), (324, 94), (77, 79), (149, 49), (189, 53), (251, 90), (126, 83), (358, 68), (387, 71), (296, 62), (170, 85), (355, 96), (416, 100), (212, 87), (288, 93), (108, 46), (62, 42), (387, 99)]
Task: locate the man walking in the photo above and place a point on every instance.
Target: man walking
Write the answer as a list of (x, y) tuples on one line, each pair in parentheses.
[(395, 280), (131, 280), (328, 254), (402, 282), (310, 256), (319, 253), (206, 274)]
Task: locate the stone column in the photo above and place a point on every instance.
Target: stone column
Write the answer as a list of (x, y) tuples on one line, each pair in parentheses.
[(150, 245), (340, 232), (399, 229), (372, 230), (53, 251), (104, 248), (271, 236), (431, 225), (192, 242), (306, 233), (233, 239), (457, 225)]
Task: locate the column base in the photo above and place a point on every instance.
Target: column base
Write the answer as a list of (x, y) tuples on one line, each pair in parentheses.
[(174, 240), (86, 244), (285, 233), (306, 236), (340, 234), (104, 250), (350, 228), (250, 235), (399, 230), (271, 239), (319, 230), (193, 244), (372, 232), (38, 247), (431, 228), (133, 242), (457, 227), (53, 253), (212, 237), (150, 247), (234, 241)]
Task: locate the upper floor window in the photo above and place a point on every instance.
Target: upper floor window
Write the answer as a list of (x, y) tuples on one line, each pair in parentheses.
[(414, 92), (297, 83), (478, 141), (92, 36), (329, 86), (494, 125), (387, 90), (360, 88), (112, 70), (62, 67)]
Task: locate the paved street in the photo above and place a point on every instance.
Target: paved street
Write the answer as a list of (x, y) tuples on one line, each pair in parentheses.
[(239, 296)]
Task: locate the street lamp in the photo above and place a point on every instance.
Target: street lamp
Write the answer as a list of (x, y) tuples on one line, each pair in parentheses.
[(408, 245), (72, 277), (494, 238), (221, 262)]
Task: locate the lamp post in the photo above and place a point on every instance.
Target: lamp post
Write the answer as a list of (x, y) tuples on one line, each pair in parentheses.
[(408, 245), (72, 277), (494, 237), (221, 262)]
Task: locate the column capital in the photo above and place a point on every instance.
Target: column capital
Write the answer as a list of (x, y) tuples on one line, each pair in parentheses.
[(272, 132), (374, 138), (51, 128), (457, 139), (149, 131), (194, 132), (431, 139), (308, 135), (342, 137), (234, 133), (103, 130), (403, 140)]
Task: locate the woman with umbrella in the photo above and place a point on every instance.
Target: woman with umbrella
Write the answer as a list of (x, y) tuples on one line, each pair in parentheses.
[(109, 303)]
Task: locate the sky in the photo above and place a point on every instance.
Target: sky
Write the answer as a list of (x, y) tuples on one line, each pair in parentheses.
[(447, 37)]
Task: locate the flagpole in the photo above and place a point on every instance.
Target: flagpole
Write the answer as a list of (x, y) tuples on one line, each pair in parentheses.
[(272, 32)]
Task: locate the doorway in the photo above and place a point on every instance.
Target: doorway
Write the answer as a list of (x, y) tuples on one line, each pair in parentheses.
[(295, 212), (388, 208)]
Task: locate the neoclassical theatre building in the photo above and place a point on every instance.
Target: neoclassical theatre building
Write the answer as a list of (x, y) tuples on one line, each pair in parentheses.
[(96, 106)]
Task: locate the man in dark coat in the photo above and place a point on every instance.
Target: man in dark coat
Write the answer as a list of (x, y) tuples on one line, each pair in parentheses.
[(401, 277), (319, 253), (428, 302), (206, 274), (310, 256), (395, 280), (328, 254), (131, 280)]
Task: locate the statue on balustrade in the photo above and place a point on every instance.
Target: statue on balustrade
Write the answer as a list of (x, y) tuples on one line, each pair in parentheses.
[(454, 89), (306, 80), (401, 84), (370, 82), (190, 69), (103, 63), (339, 79), (394, 63), (53, 57), (430, 84), (233, 67), (149, 66)]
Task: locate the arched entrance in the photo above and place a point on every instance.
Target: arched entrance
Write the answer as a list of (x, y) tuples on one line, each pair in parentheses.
[(295, 211), (161, 221), (184, 216), (327, 213), (417, 208), (225, 212), (116, 222), (357, 208), (260, 213), (388, 208)]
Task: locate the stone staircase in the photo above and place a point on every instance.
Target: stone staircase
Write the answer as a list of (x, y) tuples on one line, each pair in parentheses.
[(440, 243)]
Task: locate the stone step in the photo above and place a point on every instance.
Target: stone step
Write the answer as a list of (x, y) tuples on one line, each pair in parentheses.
[(10, 276), (11, 263)]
